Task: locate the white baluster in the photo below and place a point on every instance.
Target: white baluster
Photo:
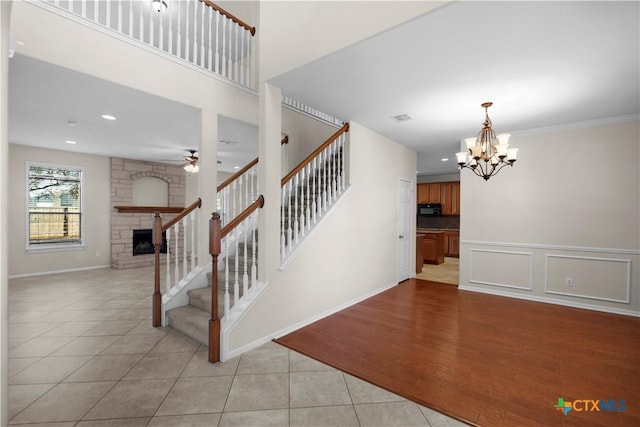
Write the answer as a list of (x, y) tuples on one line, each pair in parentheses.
[(96, 12), (227, 301), (254, 267), (130, 19), (151, 25), (236, 75), (141, 29), (179, 32), (108, 14), (168, 272), (216, 62), (223, 72), (241, 59), (296, 207), (334, 186), (308, 200), (203, 12), (303, 201), (184, 247), (316, 191), (195, 33), (209, 51), (324, 181), (83, 8), (194, 218), (120, 19), (289, 221), (245, 275), (177, 255), (236, 282), (186, 32), (241, 196), (170, 38), (342, 172), (234, 195)]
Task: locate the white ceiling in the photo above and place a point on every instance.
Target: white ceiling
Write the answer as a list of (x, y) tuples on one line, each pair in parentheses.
[(543, 64)]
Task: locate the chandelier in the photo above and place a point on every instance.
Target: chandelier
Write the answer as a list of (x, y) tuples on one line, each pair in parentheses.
[(487, 154)]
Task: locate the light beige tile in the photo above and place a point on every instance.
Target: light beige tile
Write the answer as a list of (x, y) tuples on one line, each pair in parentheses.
[(30, 329), (256, 392), (18, 364), (145, 327), (39, 346), (132, 344), (49, 370), (131, 399), (364, 392), (108, 367), (196, 396), (21, 396), (70, 329), (64, 402), (271, 418), (60, 424), (112, 327), (339, 416), (85, 346), (121, 422), (199, 366), (97, 315), (404, 414), (264, 361), (159, 365), (436, 419), (65, 315), (175, 342), (319, 388), (301, 363), (27, 316), (199, 420)]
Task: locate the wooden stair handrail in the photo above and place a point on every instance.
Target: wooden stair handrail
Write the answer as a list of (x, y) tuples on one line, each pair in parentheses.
[(238, 21), (243, 215), (309, 158), (186, 211), (215, 243), (237, 174)]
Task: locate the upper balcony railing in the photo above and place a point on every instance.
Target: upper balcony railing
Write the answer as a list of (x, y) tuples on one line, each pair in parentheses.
[(196, 31)]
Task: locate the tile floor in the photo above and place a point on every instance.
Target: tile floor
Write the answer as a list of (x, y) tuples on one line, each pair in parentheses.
[(83, 353)]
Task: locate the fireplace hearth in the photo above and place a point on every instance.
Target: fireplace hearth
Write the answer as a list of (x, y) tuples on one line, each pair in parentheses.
[(143, 242)]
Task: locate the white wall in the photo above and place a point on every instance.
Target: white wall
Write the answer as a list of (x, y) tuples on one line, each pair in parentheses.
[(305, 135), (569, 208), (96, 201), (351, 253)]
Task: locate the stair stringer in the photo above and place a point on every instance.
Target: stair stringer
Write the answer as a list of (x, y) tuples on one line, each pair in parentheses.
[(177, 296), (230, 321)]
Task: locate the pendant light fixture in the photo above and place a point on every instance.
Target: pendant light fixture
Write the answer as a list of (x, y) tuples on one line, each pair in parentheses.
[(159, 5), (487, 154)]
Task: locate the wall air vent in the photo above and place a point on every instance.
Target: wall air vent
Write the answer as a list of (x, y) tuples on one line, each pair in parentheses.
[(402, 117)]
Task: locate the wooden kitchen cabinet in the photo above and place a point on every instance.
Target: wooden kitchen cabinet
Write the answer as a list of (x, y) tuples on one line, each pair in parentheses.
[(433, 248), (452, 243), (445, 193), (423, 193)]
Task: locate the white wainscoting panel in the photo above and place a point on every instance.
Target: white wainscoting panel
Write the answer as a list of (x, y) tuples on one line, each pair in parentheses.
[(506, 269), (605, 279)]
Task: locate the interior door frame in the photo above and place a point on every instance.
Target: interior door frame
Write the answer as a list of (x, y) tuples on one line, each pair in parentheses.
[(405, 209)]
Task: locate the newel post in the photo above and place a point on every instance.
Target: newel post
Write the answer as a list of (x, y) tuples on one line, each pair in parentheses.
[(214, 322), (157, 297)]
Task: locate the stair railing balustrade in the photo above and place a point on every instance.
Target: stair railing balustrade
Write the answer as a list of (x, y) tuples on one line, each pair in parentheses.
[(180, 243), (240, 278), (309, 190), (237, 192), (198, 32)]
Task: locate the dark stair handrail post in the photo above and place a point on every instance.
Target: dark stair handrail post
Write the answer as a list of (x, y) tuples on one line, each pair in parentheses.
[(157, 296), (215, 237)]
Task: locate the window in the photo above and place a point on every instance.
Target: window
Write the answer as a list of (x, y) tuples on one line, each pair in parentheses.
[(55, 206)]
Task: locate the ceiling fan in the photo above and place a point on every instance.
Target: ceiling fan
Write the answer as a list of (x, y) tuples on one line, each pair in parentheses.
[(192, 162)]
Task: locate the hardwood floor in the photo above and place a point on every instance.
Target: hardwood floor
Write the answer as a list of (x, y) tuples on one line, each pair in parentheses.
[(484, 359)]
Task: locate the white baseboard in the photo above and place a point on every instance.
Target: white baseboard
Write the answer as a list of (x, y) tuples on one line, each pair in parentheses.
[(68, 270), (546, 300), (284, 331)]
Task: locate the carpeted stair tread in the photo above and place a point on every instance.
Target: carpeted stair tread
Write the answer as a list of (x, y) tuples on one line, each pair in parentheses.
[(191, 321)]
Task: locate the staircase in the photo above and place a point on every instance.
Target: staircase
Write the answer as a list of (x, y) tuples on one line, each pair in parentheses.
[(193, 319)]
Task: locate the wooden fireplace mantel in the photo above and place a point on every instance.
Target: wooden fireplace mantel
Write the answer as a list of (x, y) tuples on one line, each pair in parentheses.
[(148, 209)]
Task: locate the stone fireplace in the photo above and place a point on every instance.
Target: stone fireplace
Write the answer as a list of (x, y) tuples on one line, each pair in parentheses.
[(124, 173)]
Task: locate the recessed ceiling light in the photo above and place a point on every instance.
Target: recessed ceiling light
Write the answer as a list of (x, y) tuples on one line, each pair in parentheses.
[(68, 141), (402, 117), (236, 167), (445, 159), (108, 117), (71, 123)]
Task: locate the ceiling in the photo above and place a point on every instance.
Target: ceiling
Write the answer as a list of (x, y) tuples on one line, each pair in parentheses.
[(49, 105), (543, 64)]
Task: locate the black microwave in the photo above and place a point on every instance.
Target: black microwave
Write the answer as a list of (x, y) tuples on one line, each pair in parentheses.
[(429, 209)]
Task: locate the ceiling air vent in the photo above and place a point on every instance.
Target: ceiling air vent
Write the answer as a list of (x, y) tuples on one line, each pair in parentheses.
[(403, 117)]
